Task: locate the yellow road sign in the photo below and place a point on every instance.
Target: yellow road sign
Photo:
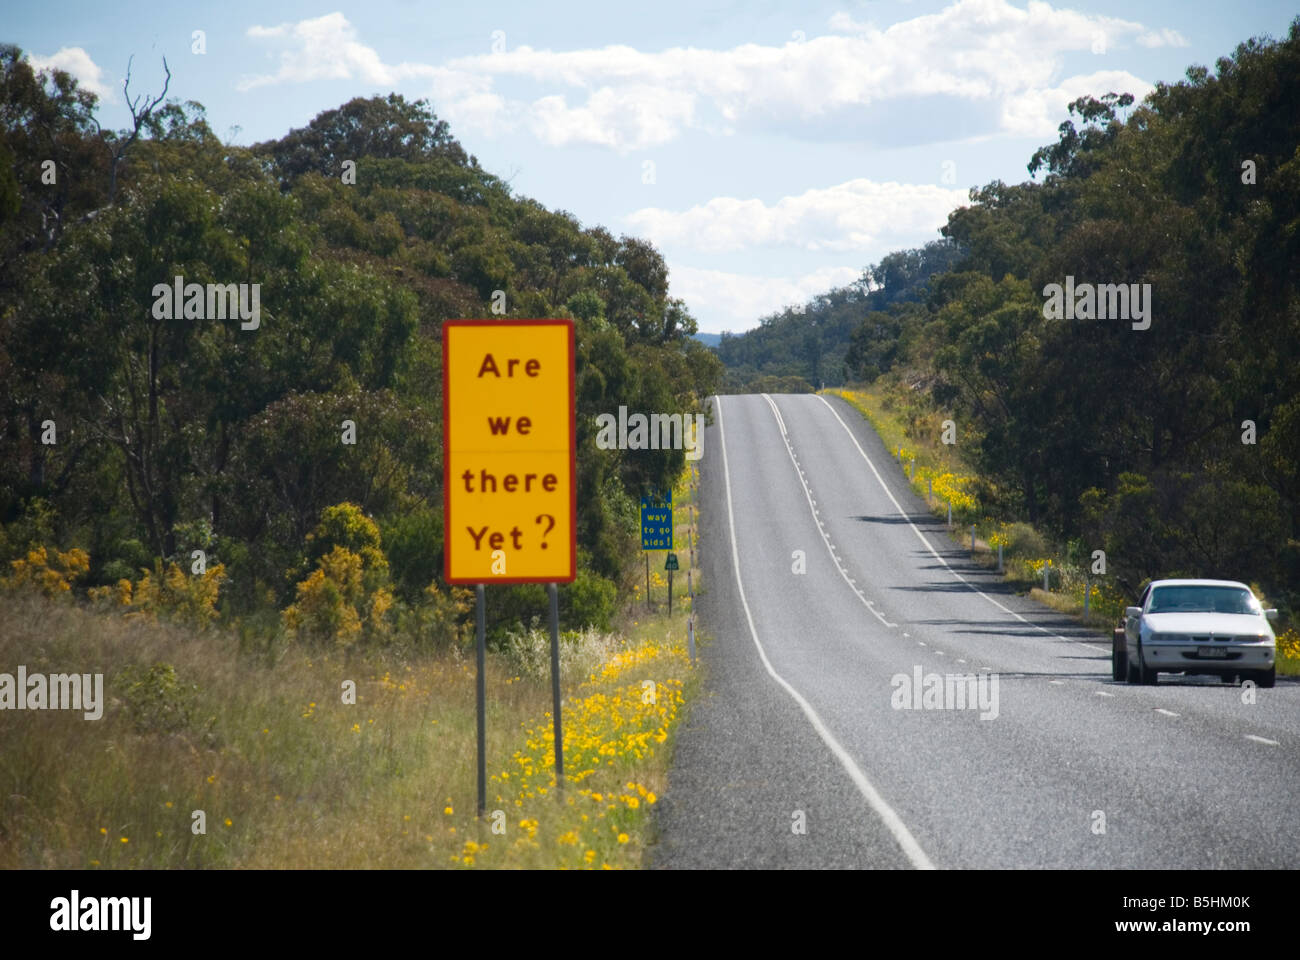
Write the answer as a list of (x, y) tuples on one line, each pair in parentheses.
[(509, 465)]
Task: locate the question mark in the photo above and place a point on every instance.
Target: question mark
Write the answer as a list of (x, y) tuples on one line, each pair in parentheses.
[(549, 528)]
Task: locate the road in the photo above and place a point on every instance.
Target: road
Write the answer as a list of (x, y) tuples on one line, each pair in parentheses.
[(798, 728)]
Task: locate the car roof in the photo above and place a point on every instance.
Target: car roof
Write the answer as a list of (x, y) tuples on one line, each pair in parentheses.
[(1198, 583)]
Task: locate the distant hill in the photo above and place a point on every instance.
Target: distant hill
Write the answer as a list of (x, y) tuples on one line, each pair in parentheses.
[(812, 340), (709, 339)]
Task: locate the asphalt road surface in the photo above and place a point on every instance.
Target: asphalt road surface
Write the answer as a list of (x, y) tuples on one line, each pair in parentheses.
[(797, 755)]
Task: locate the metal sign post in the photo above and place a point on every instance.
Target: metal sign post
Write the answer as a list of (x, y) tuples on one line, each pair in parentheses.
[(555, 684), (480, 696), (690, 621)]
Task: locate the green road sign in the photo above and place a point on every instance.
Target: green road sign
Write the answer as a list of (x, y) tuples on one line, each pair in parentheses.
[(671, 562)]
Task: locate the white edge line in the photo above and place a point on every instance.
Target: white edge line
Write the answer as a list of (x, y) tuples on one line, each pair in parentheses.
[(892, 821), (902, 513), (1271, 743)]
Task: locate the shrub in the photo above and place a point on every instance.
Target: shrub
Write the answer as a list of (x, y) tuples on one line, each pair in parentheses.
[(155, 699), (589, 601), (188, 598), (50, 572), (1022, 540)]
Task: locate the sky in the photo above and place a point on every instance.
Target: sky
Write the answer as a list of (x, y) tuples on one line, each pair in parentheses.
[(770, 151)]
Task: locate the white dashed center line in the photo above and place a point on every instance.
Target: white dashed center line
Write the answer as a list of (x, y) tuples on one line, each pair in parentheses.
[(812, 505), (1271, 743)]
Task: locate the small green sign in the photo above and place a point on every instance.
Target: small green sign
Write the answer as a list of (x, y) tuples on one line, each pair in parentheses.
[(671, 562)]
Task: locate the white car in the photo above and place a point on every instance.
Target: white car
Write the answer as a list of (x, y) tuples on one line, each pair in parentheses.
[(1214, 627)]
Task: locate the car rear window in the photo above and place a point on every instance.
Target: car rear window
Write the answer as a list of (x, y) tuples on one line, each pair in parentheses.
[(1202, 600)]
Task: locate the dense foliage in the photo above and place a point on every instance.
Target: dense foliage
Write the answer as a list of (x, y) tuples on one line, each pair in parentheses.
[(823, 341), (142, 439)]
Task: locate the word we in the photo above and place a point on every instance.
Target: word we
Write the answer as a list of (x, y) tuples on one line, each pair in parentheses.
[(214, 301), (59, 691), (953, 691), (661, 431), (1107, 301), (102, 913)]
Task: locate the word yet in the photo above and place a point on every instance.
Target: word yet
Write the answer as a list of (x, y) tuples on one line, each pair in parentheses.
[(215, 301), (102, 913), (59, 691), (953, 691), (1107, 301), (661, 431)]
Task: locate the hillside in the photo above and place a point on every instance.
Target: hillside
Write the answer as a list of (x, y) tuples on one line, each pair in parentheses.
[(141, 434), (813, 342)]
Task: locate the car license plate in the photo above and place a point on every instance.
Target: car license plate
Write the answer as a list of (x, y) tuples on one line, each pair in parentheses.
[(1212, 653)]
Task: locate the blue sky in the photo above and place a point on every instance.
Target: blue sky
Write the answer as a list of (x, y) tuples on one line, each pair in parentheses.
[(769, 150)]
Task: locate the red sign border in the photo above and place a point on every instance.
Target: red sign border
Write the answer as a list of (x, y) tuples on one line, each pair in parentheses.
[(446, 459)]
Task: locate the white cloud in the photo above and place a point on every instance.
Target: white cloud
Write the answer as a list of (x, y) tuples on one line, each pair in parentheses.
[(628, 117), (857, 216), (735, 301), (1027, 114), (77, 62), (1162, 38), (326, 48), (990, 53), (844, 23)]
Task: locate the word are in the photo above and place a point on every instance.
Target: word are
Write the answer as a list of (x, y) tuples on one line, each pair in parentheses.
[(59, 691), (489, 366), (102, 913), (661, 431), (214, 301), (1085, 302), (953, 691)]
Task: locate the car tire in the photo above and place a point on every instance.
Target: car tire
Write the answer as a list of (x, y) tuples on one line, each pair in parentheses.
[(1146, 676), (1118, 660), (1230, 678), (1266, 678), (1131, 674)]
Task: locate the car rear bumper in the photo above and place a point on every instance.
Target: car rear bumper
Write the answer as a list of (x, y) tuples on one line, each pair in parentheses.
[(1196, 657)]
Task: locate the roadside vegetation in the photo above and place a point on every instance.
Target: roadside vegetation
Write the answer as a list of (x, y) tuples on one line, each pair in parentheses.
[(289, 774), (230, 516), (912, 430)]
